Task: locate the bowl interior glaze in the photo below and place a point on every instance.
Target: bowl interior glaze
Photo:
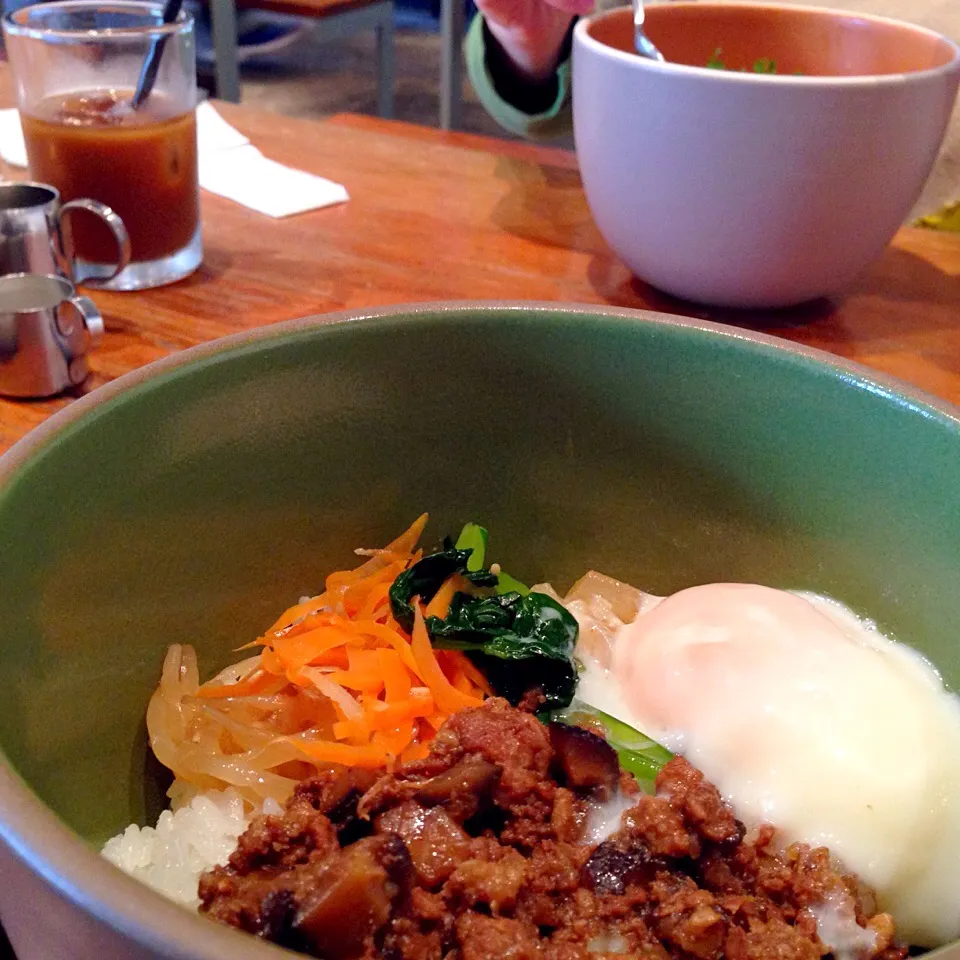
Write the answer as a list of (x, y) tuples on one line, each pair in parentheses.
[(195, 504), (806, 40)]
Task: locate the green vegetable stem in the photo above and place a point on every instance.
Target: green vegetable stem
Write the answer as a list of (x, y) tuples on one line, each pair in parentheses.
[(638, 754), (473, 537)]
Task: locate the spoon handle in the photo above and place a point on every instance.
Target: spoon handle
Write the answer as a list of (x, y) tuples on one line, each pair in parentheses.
[(151, 65), (642, 43)]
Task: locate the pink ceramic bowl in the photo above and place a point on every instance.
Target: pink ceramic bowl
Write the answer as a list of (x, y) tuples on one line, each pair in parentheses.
[(742, 189)]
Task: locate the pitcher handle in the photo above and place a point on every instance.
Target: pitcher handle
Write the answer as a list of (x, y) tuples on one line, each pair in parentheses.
[(79, 324), (112, 219), (80, 329), (92, 318)]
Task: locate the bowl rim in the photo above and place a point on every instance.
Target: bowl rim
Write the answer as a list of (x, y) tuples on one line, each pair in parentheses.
[(34, 835), (583, 39)]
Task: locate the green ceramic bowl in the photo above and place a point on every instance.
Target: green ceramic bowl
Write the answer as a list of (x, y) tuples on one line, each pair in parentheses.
[(193, 500)]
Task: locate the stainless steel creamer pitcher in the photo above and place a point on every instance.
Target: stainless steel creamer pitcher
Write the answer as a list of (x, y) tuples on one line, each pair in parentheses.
[(46, 331), (35, 232)]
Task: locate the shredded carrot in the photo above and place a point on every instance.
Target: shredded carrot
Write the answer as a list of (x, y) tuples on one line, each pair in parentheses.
[(353, 731), (295, 613), (447, 697), (396, 740), (329, 751), (435, 721), (385, 716), (332, 658), (389, 690), (439, 606), (416, 751), (378, 597), (304, 649), (466, 667), (391, 634), (404, 544), (396, 677), (363, 672), (371, 591)]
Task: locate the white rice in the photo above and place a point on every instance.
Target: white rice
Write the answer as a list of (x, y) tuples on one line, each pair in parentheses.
[(199, 834)]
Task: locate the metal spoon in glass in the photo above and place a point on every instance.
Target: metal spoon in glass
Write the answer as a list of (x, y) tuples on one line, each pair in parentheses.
[(151, 65), (644, 45)]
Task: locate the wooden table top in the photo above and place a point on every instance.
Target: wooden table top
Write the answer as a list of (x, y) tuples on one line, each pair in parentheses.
[(442, 216)]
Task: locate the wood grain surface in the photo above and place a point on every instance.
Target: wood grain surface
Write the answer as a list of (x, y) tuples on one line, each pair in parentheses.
[(447, 216)]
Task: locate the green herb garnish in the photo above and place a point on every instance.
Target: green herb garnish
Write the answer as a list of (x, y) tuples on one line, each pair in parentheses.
[(763, 65), (518, 643), (519, 640), (425, 578), (716, 60)]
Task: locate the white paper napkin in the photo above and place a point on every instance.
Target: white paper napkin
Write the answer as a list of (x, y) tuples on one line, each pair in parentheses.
[(230, 166), (12, 147)]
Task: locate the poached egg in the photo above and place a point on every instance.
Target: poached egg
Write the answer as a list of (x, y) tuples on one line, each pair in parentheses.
[(807, 718)]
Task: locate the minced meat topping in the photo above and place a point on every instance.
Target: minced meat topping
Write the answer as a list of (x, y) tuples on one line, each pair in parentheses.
[(484, 850)]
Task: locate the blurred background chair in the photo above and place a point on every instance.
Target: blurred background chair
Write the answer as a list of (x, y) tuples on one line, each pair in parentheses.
[(330, 20), (339, 19), (452, 26)]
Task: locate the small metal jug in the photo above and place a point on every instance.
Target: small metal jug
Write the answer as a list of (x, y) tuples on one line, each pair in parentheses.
[(35, 235), (46, 331)]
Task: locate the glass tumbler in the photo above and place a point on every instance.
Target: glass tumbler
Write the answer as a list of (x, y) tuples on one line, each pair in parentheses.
[(76, 65)]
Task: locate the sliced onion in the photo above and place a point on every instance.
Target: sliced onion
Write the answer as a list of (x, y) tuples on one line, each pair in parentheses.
[(238, 671), (340, 695), (621, 599)]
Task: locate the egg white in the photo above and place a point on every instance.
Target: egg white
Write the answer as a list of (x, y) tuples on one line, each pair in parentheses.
[(808, 718)]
